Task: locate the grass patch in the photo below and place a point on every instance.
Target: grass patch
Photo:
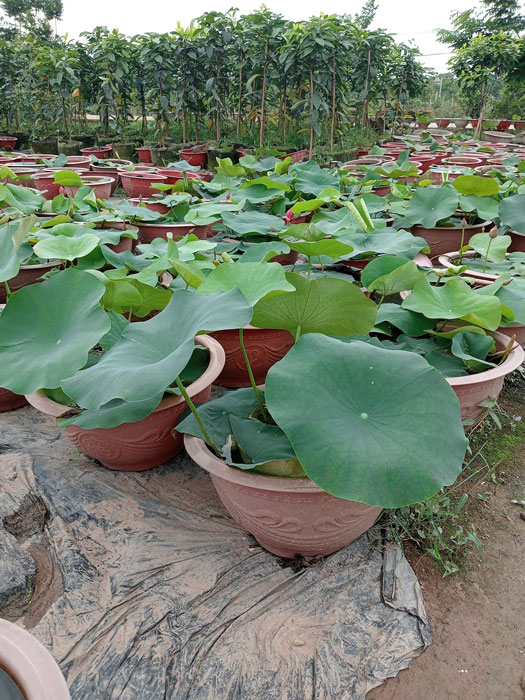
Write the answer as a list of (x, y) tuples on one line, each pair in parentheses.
[(443, 526)]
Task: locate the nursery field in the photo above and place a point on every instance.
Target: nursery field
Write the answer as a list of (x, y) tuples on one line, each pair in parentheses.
[(166, 473)]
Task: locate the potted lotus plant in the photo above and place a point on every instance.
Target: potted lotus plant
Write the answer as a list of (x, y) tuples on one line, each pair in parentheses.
[(118, 387), (304, 471)]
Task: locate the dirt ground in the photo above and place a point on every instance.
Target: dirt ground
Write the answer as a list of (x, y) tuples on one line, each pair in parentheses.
[(478, 615)]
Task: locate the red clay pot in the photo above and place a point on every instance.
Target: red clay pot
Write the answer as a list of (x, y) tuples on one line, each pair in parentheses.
[(98, 151), (28, 274), (286, 516), (149, 442), (8, 143), (44, 182), (442, 239), (193, 158), (174, 175), (519, 124), (264, 347), (112, 172), (476, 388), (447, 261), (101, 186), (503, 124), (463, 161), (30, 665), (147, 232), (138, 184), (144, 154), (296, 156), (10, 401), (518, 242), (18, 170), (442, 123)]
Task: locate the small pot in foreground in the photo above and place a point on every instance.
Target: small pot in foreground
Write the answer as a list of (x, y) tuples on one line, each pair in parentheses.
[(448, 260), (286, 516), (264, 347), (30, 665), (149, 442), (10, 401)]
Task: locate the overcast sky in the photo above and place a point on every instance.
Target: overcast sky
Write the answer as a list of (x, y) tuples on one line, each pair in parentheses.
[(409, 19)]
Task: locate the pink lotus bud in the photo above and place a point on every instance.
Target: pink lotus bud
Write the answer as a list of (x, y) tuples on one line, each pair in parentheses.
[(493, 233), (289, 216), (61, 190)]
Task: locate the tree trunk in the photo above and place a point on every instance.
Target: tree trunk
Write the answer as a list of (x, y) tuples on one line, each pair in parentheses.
[(263, 96), (64, 114), (239, 102), (332, 125), (311, 148), (365, 103), (218, 110)]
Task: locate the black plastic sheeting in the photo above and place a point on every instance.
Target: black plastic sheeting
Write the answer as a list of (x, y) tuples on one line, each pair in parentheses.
[(152, 591)]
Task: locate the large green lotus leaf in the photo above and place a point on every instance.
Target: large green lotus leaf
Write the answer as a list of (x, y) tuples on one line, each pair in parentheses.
[(68, 178), (331, 223), (486, 207), (113, 413), (328, 246), (312, 179), (512, 295), (151, 354), (473, 348), (267, 182), (454, 300), (389, 242), (410, 322), (22, 198), (476, 185), (47, 330), (65, 248), (512, 212), (131, 212), (118, 323), (130, 295), (263, 252), (304, 232), (254, 280), (494, 249), (216, 415), (430, 205), (67, 229), (12, 235), (264, 448), (252, 222), (390, 274), (376, 429), (325, 305)]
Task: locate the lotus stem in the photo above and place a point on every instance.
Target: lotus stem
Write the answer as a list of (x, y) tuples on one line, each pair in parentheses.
[(250, 374), (487, 255), (193, 409), (309, 267), (463, 226), (7, 290), (508, 349)]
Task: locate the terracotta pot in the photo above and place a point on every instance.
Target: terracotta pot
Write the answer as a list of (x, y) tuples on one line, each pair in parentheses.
[(421, 260), (442, 239), (174, 175), (264, 347), (516, 329), (466, 161), (460, 123), (101, 186), (193, 158), (125, 243), (110, 171), (44, 182), (153, 206), (518, 124), (144, 154), (496, 137), (8, 143), (148, 442), (98, 151), (442, 123), (28, 274), (286, 258), (296, 156), (503, 124), (476, 388), (138, 184), (30, 665), (286, 516), (423, 162), (78, 162), (518, 242), (10, 401), (147, 232)]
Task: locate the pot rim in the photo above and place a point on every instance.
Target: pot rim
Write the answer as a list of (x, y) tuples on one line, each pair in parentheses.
[(178, 223), (446, 260), (216, 363), (204, 457), (452, 228), (514, 360), (31, 666), (141, 175)]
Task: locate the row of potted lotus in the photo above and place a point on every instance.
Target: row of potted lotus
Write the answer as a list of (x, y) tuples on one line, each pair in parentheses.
[(304, 477)]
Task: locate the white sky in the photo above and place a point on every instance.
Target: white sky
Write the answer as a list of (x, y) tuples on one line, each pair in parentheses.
[(409, 19)]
